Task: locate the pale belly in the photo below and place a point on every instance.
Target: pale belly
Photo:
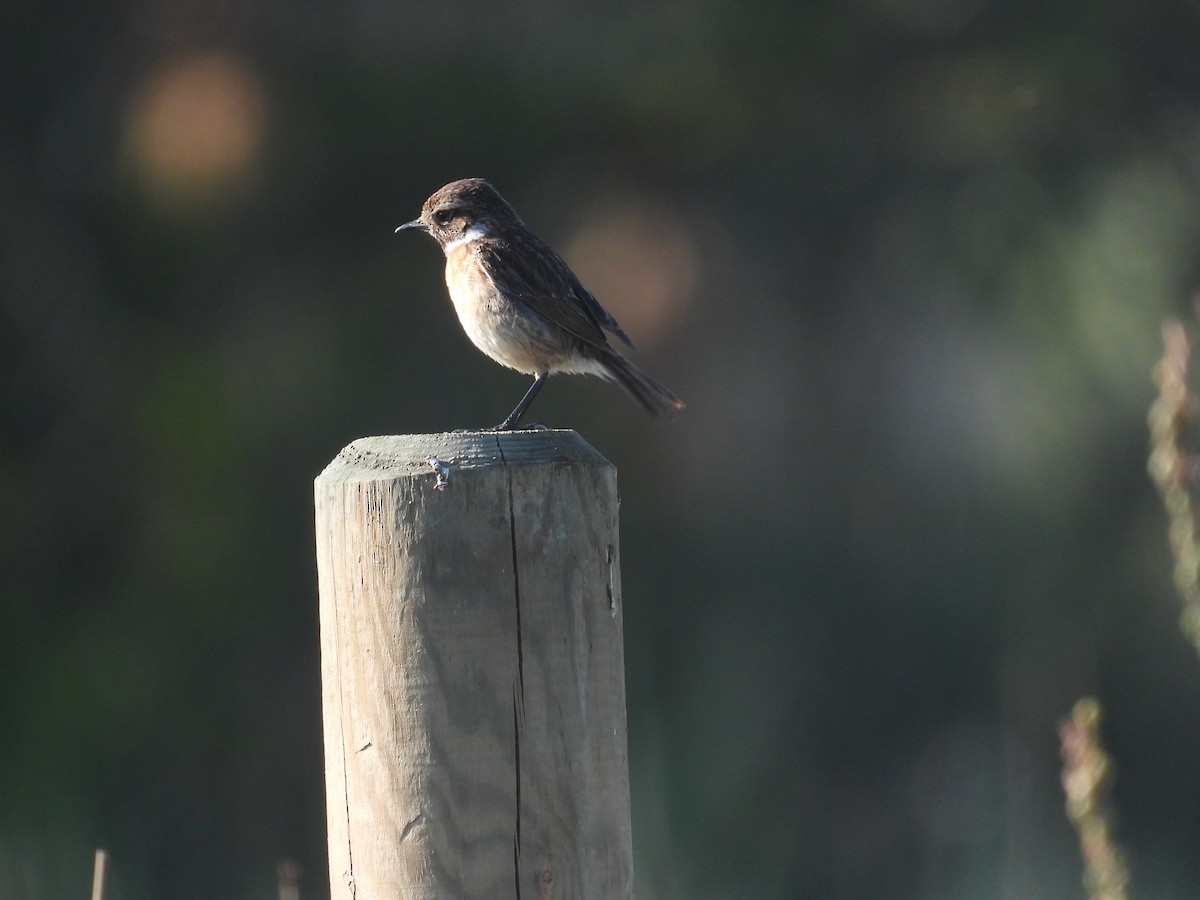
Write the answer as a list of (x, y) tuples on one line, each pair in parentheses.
[(511, 337)]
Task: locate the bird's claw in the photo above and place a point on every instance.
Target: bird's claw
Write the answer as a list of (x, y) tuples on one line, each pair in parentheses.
[(528, 426)]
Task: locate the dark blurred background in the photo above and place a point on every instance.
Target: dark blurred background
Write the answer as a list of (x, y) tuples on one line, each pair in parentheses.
[(907, 262)]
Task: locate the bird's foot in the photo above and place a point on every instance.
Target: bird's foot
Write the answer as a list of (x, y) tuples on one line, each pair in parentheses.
[(528, 426), (502, 428)]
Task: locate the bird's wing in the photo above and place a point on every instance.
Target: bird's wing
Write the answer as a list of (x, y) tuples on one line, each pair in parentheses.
[(601, 314), (534, 275)]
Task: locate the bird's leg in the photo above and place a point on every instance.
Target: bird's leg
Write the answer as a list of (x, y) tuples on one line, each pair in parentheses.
[(510, 424)]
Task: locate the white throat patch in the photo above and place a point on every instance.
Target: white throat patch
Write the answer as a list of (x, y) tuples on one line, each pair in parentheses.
[(474, 233)]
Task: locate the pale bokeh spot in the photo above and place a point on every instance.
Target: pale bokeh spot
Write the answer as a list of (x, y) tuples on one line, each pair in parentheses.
[(640, 263), (196, 127)]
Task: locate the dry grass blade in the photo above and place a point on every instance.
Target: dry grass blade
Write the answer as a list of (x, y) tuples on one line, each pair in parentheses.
[(1086, 778), (1173, 467)]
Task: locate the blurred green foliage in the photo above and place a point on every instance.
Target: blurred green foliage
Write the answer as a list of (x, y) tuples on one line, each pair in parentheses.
[(905, 261)]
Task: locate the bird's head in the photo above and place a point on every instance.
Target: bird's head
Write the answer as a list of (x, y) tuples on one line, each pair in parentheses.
[(463, 211)]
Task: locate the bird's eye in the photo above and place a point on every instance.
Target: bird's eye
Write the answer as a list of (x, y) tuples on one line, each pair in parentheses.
[(442, 216)]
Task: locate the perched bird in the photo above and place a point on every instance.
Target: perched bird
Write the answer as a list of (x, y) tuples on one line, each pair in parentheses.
[(520, 303)]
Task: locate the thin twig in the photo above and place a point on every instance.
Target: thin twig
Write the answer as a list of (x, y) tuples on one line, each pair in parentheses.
[(99, 870)]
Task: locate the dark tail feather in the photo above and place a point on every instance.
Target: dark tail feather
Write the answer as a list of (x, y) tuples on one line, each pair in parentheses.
[(651, 396)]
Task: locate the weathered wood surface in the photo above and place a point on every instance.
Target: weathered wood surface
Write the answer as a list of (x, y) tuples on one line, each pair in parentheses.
[(472, 669)]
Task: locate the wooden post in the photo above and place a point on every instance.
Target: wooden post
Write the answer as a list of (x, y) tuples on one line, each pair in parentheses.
[(472, 669)]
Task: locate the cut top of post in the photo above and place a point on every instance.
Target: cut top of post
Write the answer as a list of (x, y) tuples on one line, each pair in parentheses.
[(383, 456)]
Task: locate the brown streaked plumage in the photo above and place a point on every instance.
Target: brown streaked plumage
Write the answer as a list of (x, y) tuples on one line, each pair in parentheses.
[(520, 303)]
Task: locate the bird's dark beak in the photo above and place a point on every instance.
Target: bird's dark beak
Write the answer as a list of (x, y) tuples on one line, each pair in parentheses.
[(415, 223)]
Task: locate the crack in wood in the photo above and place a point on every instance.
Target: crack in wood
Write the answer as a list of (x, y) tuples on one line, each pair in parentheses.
[(519, 687)]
